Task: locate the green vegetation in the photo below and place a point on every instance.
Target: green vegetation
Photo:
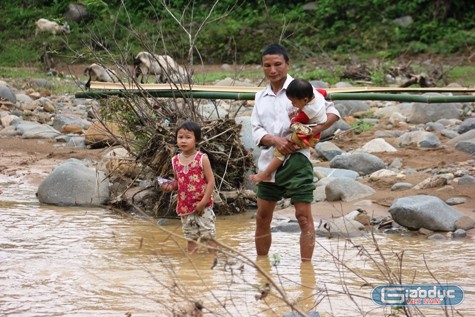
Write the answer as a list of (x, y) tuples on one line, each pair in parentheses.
[(237, 30), (327, 75), (361, 126), (21, 79), (465, 75), (17, 73)]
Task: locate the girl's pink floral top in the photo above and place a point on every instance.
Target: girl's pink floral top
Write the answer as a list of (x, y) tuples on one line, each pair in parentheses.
[(191, 184)]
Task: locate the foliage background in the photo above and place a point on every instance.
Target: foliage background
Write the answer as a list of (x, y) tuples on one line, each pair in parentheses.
[(236, 31)]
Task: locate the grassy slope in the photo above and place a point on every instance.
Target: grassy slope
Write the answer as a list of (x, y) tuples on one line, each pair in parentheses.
[(21, 48)]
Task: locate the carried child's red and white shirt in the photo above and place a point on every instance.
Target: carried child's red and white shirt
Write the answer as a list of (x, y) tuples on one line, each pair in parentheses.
[(312, 113)]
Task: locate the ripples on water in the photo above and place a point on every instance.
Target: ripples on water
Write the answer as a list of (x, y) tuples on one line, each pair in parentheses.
[(58, 261)]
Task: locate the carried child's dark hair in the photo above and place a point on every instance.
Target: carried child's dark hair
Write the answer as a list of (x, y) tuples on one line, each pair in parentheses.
[(190, 126), (276, 49), (300, 88)]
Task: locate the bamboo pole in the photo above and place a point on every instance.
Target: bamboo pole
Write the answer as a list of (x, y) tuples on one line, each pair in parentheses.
[(169, 94), (248, 93), (401, 98), (95, 85)]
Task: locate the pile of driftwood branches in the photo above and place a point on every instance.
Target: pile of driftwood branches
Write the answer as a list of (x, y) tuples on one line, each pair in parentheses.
[(148, 133), (404, 74), (357, 72), (229, 159)]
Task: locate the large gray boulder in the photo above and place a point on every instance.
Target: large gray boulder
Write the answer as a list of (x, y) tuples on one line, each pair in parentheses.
[(74, 183), (469, 135), (362, 163), (346, 189), (422, 139), (378, 145), (334, 172), (6, 93), (328, 150), (34, 130), (339, 125), (466, 146), (349, 107), (424, 211), (341, 227), (61, 120), (467, 125), (425, 112)]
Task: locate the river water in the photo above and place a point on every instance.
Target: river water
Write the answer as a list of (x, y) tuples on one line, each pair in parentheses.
[(57, 261)]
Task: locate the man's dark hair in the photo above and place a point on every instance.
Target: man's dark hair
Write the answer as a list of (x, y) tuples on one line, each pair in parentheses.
[(299, 88), (190, 126), (276, 49)]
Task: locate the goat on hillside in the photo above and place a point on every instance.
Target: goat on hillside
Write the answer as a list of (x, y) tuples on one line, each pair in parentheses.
[(97, 72), (163, 67), (44, 25)]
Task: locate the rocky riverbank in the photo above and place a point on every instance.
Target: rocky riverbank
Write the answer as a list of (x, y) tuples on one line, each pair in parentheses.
[(411, 150)]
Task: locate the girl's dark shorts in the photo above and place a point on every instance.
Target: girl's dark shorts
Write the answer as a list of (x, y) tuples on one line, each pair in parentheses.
[(293, 179)]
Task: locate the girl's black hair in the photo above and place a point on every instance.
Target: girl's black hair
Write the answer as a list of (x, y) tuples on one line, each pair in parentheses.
[(276, 49), (299, 88), (190, 126), (196, 129)]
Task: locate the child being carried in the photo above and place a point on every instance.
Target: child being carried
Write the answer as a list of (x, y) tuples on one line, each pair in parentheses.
[(310, 113)]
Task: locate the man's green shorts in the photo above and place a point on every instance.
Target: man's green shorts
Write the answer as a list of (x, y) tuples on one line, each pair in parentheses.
[(293, 179)]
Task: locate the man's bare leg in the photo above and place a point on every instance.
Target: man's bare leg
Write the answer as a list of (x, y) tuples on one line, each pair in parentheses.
[(263, 236), (303, 213)]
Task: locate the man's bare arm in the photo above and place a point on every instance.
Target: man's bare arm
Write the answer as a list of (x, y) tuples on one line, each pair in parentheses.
[(331, 119)]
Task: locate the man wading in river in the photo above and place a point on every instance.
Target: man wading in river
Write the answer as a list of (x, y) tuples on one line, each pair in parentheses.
[(270, 122)]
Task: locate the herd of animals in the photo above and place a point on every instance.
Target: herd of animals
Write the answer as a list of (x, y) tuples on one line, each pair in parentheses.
[(163, 67)]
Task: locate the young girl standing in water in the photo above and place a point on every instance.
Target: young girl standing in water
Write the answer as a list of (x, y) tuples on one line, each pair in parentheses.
[(194, 180)]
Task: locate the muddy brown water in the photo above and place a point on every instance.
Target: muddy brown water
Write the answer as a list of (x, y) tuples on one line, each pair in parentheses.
[(58, 261)]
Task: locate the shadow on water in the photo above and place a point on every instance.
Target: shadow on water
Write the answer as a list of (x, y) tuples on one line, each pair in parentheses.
[(57, 261)]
